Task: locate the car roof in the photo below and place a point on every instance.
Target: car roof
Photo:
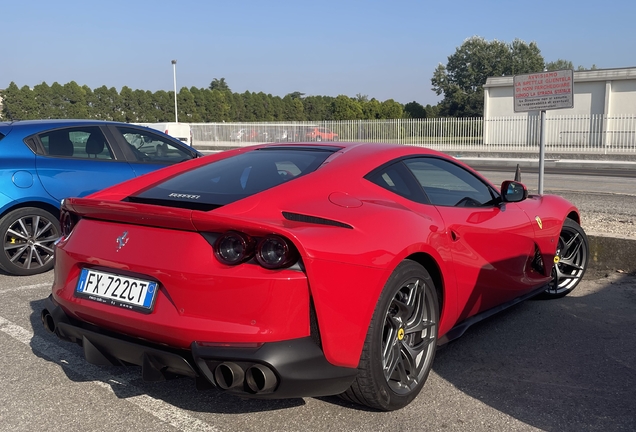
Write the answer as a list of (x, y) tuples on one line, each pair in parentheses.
[(58, 122)]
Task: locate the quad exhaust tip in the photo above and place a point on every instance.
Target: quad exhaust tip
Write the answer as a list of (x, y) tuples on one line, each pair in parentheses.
[(256, 379), (260, 379), (229, 375), (47, 321)]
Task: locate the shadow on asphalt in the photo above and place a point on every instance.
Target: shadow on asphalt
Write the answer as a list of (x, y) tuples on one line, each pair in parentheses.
[(565, 364), (558, 365)]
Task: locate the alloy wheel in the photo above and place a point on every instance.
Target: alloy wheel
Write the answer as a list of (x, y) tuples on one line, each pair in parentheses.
[(570, 260), (28, 241), (408, 337)]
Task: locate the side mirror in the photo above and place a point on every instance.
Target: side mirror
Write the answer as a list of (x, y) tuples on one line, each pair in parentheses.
[(512, 191)]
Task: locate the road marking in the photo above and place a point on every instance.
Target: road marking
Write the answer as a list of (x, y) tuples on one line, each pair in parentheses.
[(26, 287), (167, 413)]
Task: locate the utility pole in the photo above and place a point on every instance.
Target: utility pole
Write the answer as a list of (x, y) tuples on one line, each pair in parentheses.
[(174, 73)]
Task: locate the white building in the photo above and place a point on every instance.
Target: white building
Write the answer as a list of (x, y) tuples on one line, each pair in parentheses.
[(603, 113)]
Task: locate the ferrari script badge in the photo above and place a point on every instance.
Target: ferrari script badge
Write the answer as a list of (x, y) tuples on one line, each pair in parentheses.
[(538, 219), (122, 240)]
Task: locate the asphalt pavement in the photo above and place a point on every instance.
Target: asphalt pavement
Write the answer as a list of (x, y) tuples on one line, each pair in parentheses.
[(559, 365)]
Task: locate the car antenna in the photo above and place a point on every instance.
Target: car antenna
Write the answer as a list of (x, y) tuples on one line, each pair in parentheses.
[(518, 173)]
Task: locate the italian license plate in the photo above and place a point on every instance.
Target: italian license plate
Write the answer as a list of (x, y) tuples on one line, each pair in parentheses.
[(122, 291)]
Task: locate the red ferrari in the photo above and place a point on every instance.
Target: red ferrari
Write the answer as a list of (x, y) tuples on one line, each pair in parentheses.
[(293, 270)]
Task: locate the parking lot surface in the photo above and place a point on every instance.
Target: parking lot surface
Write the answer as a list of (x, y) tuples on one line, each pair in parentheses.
[(561, 365)]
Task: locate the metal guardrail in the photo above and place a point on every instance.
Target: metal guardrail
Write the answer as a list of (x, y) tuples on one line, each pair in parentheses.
[(591, 134)]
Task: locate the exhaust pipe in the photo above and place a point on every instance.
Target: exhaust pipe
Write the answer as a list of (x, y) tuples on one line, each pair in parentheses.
[(228, 375), (260, 379), (47, 321)]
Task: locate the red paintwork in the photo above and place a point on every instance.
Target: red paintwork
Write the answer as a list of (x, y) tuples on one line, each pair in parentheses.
[(482, 254)]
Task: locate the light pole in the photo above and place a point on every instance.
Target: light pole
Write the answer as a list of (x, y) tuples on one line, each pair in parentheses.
[(174, 73)]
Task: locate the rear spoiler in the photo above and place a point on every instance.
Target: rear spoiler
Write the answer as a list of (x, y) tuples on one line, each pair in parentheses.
[(131, 213), (162, 217)]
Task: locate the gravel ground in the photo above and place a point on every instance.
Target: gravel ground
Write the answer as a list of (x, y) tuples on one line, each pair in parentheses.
[(607, 204), (605, 214)]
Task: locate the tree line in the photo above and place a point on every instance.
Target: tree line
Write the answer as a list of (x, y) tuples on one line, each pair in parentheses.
[(217, 103), (460, 83)]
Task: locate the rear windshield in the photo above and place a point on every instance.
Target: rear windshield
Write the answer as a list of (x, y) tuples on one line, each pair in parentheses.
[(228, 180)]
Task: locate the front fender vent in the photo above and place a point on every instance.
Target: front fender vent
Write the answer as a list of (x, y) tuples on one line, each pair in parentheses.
[(537, 261), (297, 217)]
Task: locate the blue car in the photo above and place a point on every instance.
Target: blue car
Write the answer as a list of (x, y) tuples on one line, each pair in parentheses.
[(45, 161)]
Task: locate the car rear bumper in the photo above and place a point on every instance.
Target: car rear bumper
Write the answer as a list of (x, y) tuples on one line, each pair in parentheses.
[(272, 370)]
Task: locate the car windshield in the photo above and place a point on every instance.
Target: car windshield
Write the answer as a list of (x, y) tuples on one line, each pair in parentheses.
[(228, 180)]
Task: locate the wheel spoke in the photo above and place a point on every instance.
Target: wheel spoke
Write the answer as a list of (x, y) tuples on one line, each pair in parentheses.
[(24, 228), (571, 251), (570, 263), (43, 229), (19, 253), (17, 234), (401, 370), (403, 309), (46, 249), (27, 262), (12, 246), (37, 256), (391, 356), (49, 239)]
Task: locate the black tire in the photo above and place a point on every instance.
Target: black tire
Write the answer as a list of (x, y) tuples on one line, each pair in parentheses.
[(28, 237), (570, 261), (401, 341)]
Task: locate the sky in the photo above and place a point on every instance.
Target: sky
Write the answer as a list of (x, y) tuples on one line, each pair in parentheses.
[(380, 49)]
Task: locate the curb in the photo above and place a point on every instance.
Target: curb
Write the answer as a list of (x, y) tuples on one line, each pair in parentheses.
[(612, 254)]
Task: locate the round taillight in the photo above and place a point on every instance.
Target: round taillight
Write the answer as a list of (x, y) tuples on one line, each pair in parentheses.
[(233, 248), (274, 252), (67, 222)]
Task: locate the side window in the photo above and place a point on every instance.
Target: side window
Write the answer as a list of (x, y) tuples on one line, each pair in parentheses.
[(447, 184), (150, 147), (397, 179), (78, 143)]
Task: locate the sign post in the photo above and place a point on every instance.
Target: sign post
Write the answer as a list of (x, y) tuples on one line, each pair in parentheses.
[(542, 91)]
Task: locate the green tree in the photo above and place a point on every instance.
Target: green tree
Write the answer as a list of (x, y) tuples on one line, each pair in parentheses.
[(42, 95), (390, 109), (187, 107), (293, 109), (372, 110), (105, 102), (415, 110), (74, 98), (318, 108), (164, 105), (146, 112), (296, 95), (559, 65), (462, 79), (218, 106), (345, 108), (128, 104), (14, 103), (583, 68), (219, 84)]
